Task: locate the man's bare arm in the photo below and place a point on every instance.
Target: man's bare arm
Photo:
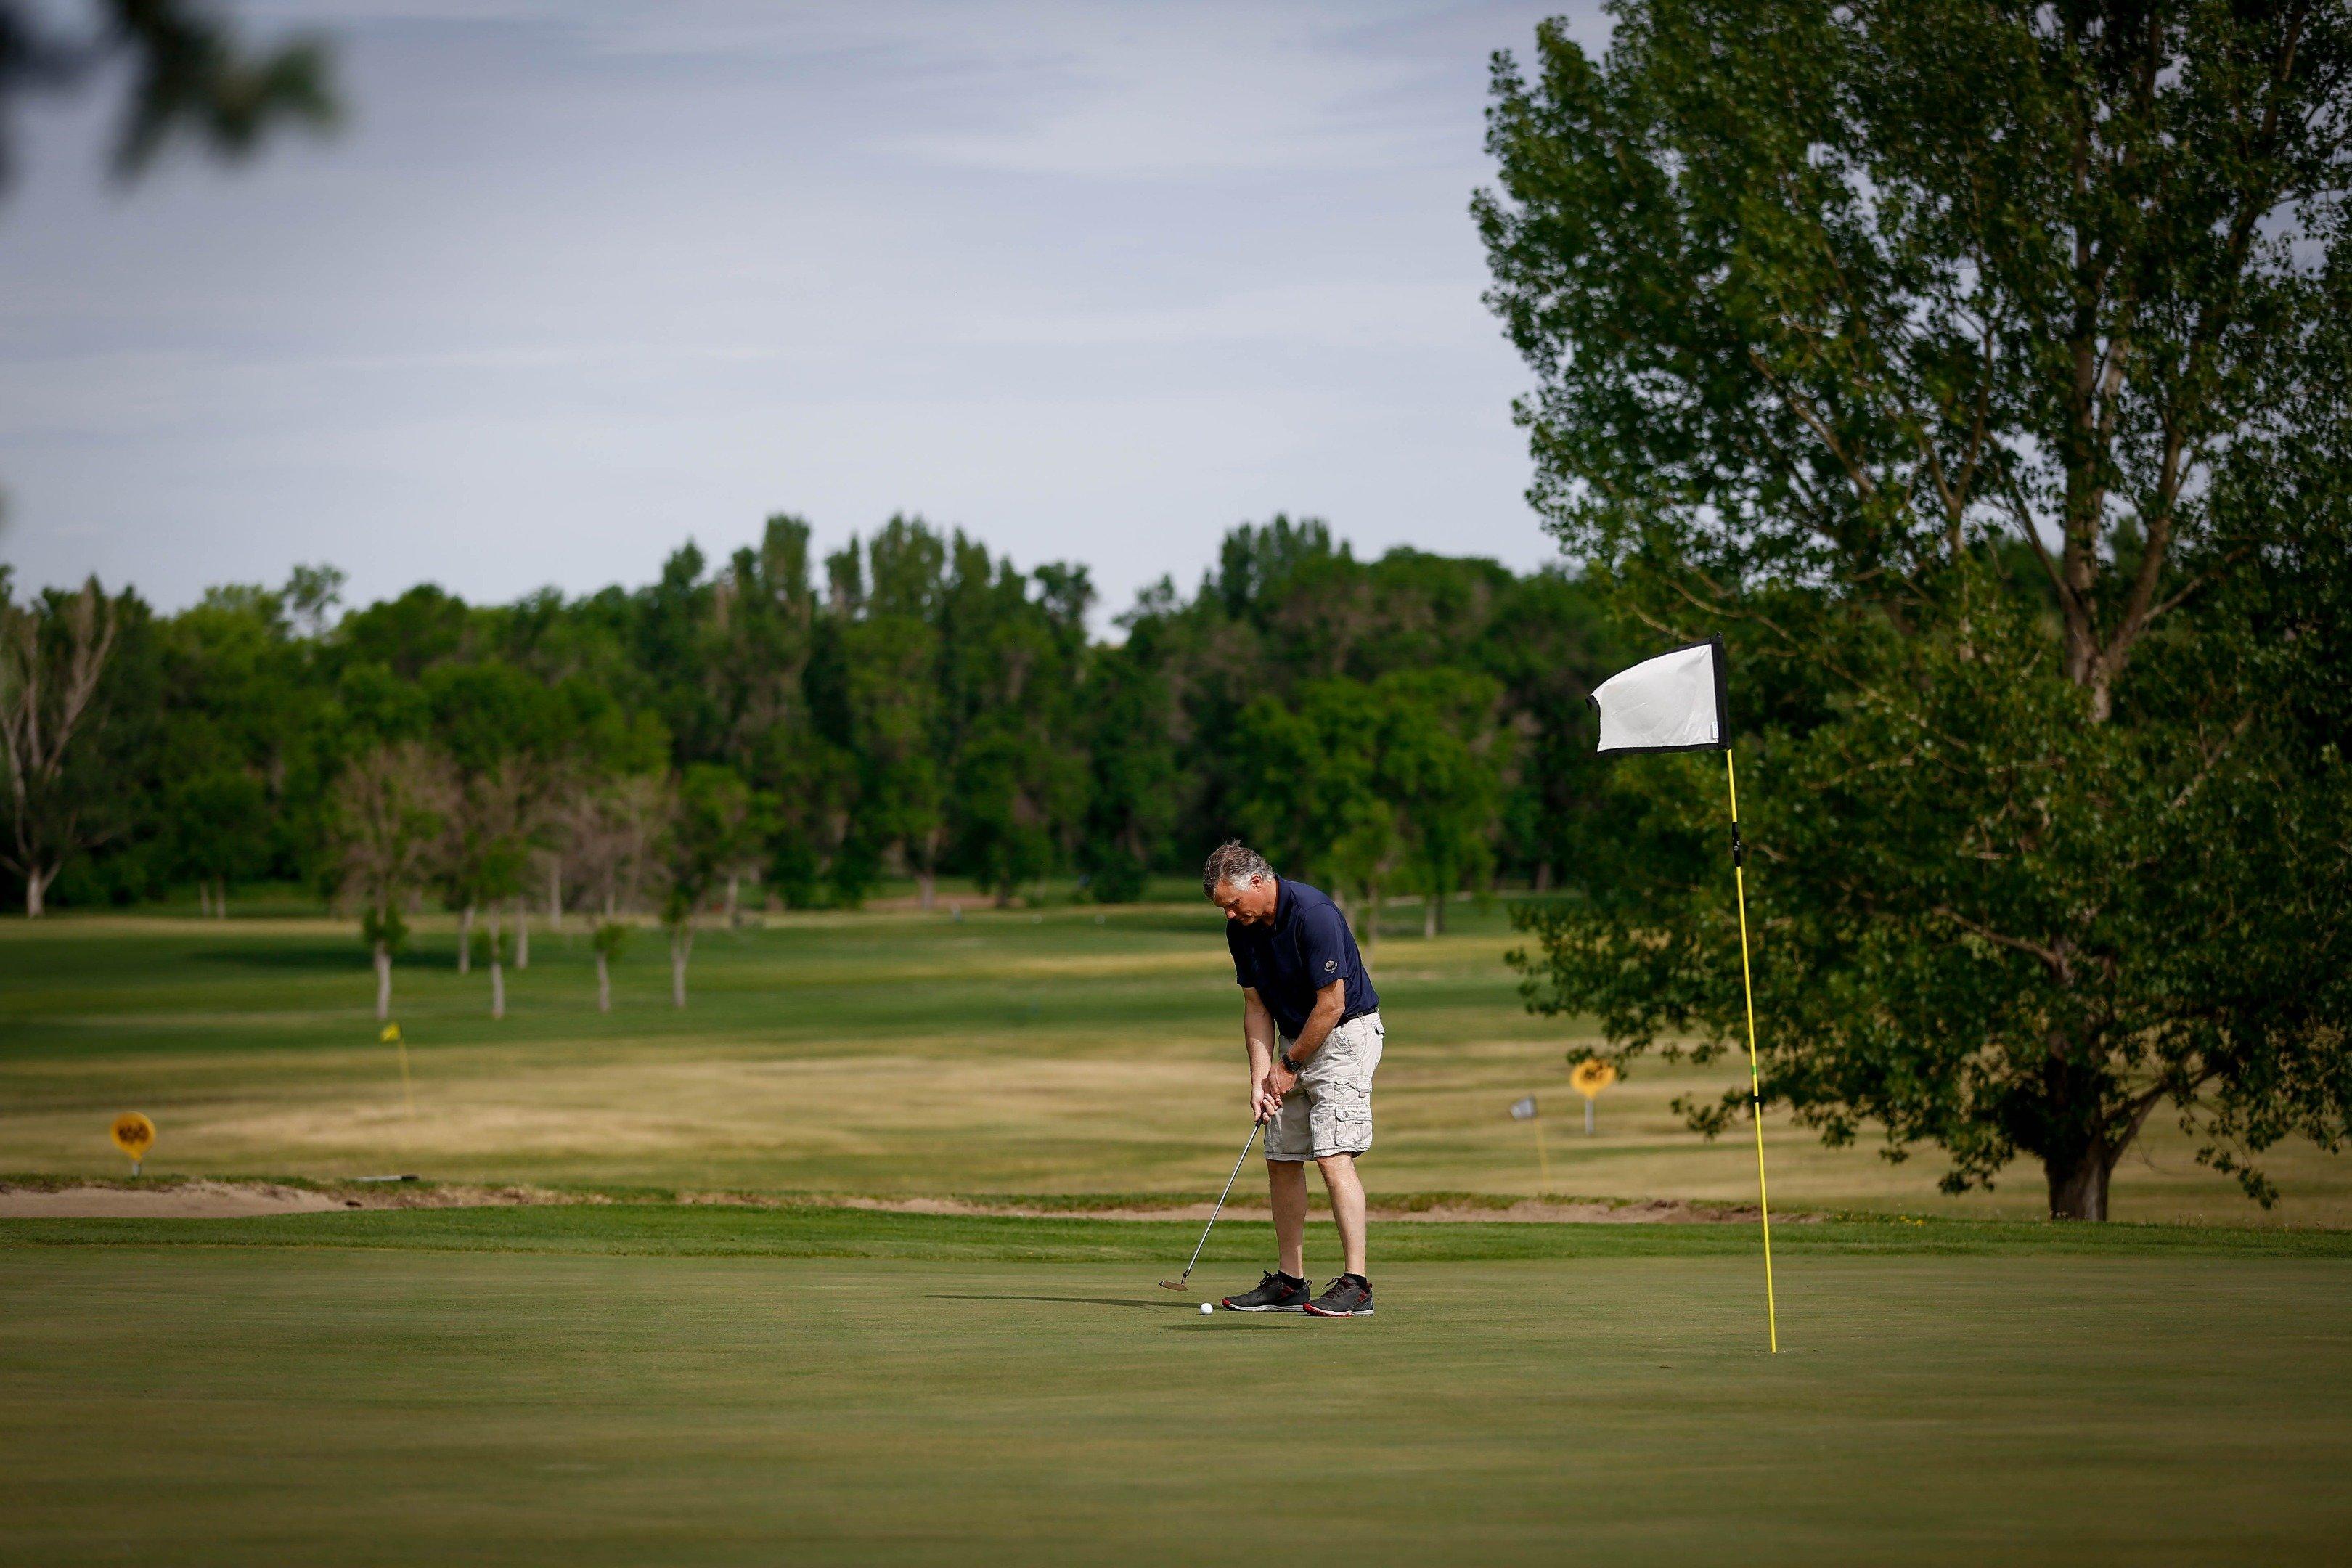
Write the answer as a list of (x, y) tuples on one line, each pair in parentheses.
[(1258, 1042)]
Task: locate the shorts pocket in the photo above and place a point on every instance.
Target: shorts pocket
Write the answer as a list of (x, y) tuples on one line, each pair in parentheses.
[(1347, 1131)]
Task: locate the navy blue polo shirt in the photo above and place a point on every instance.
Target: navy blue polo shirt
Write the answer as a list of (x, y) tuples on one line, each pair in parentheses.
[(1307, 947)]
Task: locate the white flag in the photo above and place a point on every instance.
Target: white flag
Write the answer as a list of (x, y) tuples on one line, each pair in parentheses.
[(1670, 703), (1523, 1109)]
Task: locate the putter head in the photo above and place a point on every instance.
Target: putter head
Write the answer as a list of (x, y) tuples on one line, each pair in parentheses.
[(1171, 1284)]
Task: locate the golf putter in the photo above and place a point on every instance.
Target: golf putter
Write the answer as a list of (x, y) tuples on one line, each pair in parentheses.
[(1178, 1283)]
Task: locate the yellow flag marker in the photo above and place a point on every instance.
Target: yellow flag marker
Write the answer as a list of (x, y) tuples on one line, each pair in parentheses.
[(1589, 1079), (391, 1036), (135, 1135)]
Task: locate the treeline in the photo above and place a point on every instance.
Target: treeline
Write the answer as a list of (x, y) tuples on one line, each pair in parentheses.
[(784, 728)]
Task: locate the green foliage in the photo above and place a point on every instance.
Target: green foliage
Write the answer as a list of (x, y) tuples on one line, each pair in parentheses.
[(1274, 671), (386, 817), (913, 706), (189, 75), (78, 705), (721, 822), (385, 927), (1131, 789), (609, 940), (1978, 371), (1442, 758)]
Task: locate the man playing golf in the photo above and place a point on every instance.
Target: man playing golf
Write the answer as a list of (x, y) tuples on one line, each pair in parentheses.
[(1311, 1084)]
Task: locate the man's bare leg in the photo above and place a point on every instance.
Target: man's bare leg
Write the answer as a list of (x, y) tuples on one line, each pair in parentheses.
[(1286, 1182), (1347, 1192)]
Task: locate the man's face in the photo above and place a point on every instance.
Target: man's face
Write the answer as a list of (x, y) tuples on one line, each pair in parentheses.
[(1252, 902)]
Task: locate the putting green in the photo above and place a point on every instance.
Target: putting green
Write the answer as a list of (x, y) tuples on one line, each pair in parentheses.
[(238, 1404)]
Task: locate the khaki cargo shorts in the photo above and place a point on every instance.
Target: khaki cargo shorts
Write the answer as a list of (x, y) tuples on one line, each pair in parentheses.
[(1330, 1109)]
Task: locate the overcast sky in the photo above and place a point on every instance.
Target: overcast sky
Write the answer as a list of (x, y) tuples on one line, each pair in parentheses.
[(581, 279)]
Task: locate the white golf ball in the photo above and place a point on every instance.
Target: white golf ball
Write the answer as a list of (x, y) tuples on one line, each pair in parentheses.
[(1206, 1308)]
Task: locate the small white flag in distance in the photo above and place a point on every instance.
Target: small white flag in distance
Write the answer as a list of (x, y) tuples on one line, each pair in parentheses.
[(1670, 703), (1524, 1110)]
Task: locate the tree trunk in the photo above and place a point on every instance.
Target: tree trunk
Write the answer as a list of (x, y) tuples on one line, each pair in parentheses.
[(205, 897), (1429, 904), (604, 985), (382, 982), (1543, 876), (2078, 1186), (522, 934), (36, 882), (681, 942), (220, 898), (734, 881), (556, 895), (498, 986), (929, 883), (466, 941), (611, 903)]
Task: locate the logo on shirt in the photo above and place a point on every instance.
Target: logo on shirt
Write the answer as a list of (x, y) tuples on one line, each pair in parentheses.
[(1331, 964)]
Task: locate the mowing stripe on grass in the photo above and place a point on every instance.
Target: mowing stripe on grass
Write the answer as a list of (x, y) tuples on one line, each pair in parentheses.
[(663, 1229)]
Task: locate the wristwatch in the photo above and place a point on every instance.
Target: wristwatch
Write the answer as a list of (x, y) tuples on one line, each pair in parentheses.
[(1288, 1065)]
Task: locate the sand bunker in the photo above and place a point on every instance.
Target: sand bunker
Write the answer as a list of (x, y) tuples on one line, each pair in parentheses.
[(182, 1200), (238, 1200)]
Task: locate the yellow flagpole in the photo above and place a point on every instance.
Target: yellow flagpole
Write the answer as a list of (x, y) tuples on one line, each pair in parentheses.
[(1755, 1078)]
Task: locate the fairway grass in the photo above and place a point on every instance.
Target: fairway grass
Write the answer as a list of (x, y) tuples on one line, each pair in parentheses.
[(1061, 1051), (419, 1390), (673, 1230), (633, 1376)]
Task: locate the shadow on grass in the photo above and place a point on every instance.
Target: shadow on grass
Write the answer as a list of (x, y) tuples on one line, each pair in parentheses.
[(340, 955), (1145, 1302)]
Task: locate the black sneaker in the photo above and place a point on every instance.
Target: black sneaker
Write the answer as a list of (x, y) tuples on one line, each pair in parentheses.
[(1274, 1293), (1348, 1296)]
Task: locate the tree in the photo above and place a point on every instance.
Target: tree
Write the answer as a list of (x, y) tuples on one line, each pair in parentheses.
[(1313, 791), (893, 690), (1003, 781), (718, 818), (678, 918), (615, 833), (488, 715), (1943, 357), (221, 819), (190, 76), (247, 741), (53, 655), (490, 951), (387, 816), (1132, 799), (611, 939), (1441, 763), (485, 847)]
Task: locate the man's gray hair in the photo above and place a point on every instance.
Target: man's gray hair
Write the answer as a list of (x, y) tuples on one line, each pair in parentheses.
[(1236, 862)]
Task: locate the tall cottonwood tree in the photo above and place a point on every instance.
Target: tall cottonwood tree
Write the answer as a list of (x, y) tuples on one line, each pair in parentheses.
[(1939, 353), (390, 807), (53, 656)]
